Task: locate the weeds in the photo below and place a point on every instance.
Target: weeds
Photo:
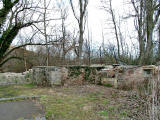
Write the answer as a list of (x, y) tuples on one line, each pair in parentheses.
[(108, 85)]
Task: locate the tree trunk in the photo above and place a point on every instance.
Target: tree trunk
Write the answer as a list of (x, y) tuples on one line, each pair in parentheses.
[(80, 42), (63, 41), (150, 28), (45, 33), (159, 42), (115, 27), (6, 40), (80, 19)]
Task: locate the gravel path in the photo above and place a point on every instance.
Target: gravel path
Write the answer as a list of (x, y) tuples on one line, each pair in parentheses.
[(19, 109)]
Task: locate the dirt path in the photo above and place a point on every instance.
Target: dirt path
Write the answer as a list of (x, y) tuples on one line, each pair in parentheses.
[(19, 109)]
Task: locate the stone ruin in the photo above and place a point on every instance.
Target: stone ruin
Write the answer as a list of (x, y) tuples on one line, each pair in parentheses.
[(119, 75), (115, 75), (9, 78), (48, 75), (70, 75)]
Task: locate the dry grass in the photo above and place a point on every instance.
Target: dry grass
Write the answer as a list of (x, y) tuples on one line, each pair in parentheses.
[(88, 102)]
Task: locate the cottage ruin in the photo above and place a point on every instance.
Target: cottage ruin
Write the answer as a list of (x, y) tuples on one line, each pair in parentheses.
[(112, 75)]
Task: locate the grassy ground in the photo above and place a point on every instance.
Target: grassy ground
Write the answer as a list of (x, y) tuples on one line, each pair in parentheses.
[(87, 102)]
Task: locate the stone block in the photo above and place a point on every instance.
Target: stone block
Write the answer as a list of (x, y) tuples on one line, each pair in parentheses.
[(12, 78), (47, 75), (108, 81)]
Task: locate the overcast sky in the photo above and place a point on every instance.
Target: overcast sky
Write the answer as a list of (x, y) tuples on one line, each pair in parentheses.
[(99, 20)]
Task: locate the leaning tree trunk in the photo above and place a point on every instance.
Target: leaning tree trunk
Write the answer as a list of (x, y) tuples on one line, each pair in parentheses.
[(6, 40)]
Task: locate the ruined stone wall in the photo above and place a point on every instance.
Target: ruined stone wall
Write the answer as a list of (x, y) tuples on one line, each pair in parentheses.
[(14, 78), (131, 77), (70, 75), (83, 74), (131, 74)]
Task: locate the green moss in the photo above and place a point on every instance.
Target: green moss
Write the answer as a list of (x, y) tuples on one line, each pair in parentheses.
[(88, 72), (74, 71), (30, 85), (108, 85), (7, 38)]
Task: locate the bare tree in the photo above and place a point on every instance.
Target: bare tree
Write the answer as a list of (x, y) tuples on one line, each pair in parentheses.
[(81, 19), (13, 17), (146, 17), (45, 32), (107, 6), (64, 14)]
